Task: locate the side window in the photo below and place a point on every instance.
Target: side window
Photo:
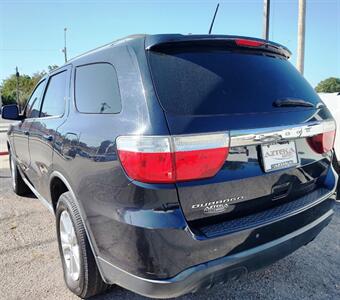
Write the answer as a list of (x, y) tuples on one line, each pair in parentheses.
[(33, 106), (97, 90), (54, 100)]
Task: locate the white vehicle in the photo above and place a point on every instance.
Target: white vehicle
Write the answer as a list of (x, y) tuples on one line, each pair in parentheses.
[(332, 100)]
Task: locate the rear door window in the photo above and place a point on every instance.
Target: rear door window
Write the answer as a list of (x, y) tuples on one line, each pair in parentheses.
[(97, 90), (214, 81), (54, 99)]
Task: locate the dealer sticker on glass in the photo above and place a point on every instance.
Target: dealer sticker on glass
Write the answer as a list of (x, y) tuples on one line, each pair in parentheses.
[(278, 156)]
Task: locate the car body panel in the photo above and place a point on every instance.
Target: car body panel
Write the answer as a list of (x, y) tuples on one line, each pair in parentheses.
[(150, 230), (244, 167), (42, 137), (19, 132)]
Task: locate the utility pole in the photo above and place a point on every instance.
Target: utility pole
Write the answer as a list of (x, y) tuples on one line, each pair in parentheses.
[(266, 15), (17, 89), (301, 36), (65, 49)]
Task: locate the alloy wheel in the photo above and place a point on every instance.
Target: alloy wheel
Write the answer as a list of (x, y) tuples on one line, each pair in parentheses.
[(70, 246)]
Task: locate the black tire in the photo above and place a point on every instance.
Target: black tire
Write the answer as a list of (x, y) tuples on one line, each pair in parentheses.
[(18, 185), (336, 166), (90, 282)]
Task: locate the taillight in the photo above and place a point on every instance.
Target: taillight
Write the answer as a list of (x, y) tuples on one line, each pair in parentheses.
[(248, 43), (166, 159), (323, 142), (199, 156)]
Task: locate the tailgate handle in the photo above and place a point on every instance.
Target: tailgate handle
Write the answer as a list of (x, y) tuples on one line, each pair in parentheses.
[(281, 191)]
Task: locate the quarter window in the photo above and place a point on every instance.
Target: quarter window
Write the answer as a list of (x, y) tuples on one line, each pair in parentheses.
[(54, 100), (97, 90)]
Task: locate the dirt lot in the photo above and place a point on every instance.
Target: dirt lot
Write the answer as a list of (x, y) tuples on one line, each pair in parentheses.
[(30, 266)]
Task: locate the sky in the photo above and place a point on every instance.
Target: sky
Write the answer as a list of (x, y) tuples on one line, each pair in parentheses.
[(32, 32)]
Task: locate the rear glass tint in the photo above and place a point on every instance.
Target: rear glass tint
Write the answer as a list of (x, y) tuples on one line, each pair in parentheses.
[(97, 90), (225, 82)]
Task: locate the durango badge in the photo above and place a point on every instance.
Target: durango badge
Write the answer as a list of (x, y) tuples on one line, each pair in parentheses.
[(216, 207)]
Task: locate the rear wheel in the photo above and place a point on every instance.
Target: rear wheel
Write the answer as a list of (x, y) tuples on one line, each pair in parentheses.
[(18, 184), (336, 166), (81, 274)]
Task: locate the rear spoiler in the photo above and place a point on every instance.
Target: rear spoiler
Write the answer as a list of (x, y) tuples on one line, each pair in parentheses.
[(164, 41)]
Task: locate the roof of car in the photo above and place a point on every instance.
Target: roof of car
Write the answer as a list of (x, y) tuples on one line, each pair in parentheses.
[(120, 41), (161, 39)]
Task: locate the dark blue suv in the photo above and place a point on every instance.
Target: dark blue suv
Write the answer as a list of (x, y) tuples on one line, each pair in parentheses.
[(175, 162)]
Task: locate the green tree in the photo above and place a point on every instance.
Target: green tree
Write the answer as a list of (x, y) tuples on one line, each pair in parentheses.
[(8, 87), (26, 84), (52, 67), (329, 85)]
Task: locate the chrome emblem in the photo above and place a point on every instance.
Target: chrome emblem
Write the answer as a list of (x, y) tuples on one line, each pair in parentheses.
[(268, 138), (216, 207)]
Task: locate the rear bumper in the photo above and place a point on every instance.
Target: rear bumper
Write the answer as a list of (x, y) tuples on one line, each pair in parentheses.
[(219, 270)]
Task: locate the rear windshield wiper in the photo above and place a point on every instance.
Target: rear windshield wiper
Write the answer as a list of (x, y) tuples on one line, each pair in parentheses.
[(292, 102)]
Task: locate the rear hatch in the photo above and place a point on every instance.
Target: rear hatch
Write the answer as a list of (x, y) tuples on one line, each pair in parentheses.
[(273, 118)]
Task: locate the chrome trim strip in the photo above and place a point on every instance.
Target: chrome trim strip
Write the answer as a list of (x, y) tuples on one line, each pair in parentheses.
[(250, 137), (41, 198), (35, 192), (204, 141)]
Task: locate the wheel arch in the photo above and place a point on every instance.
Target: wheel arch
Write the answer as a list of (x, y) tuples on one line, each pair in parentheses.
[(57, 188), (58, 180), (57, 176)]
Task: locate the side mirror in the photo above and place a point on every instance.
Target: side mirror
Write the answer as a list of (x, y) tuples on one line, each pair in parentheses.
[(10, 112)]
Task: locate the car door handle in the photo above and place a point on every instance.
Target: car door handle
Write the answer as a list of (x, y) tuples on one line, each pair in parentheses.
[(26, 132), (48, 137)]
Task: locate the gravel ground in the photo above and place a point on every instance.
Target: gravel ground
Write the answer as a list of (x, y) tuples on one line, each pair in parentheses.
[(30, 266)]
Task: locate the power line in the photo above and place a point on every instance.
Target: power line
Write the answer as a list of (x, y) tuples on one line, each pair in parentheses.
[(23, 49)]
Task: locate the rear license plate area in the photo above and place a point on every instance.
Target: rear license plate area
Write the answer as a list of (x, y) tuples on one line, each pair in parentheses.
[(280, 155)]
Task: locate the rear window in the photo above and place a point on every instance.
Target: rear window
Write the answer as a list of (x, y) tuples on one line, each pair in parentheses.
[(203, 82)]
